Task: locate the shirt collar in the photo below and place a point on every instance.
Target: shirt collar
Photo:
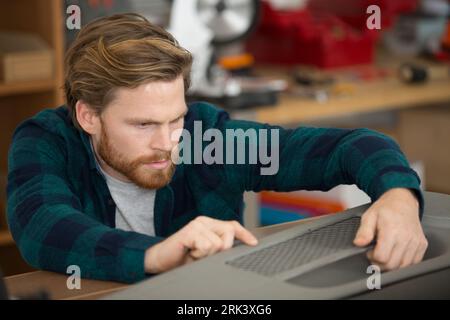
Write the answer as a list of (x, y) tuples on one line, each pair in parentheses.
[(85, 138)]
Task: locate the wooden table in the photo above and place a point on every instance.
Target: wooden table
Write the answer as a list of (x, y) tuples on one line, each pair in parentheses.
[(55, 284), (378, 95)]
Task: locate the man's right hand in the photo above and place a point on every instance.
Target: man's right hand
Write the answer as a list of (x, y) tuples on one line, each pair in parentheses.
[(201, 237)]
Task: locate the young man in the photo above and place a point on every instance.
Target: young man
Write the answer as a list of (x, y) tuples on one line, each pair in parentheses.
[(94, 183)]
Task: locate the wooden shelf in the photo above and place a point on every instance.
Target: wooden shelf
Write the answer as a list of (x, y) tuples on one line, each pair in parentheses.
[(21, 100), (386, 95), (5, 238), (8, 89)]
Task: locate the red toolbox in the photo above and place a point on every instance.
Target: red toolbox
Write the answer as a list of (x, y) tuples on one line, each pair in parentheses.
[(314, 37), (353, 12)]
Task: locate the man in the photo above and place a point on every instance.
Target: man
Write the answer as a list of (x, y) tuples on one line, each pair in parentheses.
[(94, 183)]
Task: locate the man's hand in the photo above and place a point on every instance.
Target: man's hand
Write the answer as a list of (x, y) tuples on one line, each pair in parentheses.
[(201, 237), (394, 220)]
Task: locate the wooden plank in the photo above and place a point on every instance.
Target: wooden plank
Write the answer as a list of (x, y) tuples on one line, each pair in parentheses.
[(55, 284), (381, 96), (9, 89), (58, 44), (6, 238)]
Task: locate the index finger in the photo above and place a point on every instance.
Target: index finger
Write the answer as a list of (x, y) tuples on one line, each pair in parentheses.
[(240, 232), (243, 234)]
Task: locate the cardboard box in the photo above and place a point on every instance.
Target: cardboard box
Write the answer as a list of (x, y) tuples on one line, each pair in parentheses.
[(24, 57)]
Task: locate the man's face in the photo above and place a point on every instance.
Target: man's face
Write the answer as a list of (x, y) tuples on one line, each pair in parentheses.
[(134, 141)]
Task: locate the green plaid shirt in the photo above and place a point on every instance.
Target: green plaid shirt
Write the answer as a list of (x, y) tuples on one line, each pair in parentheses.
[(61, 213)]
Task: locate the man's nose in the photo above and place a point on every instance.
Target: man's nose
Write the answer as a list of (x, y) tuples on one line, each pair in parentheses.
[(162, 139)]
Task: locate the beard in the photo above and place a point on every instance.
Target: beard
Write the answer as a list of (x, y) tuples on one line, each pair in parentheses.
[(137, 170)]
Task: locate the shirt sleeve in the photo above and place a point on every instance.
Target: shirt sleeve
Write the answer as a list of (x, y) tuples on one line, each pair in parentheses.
[(47, 222), (311, 158)]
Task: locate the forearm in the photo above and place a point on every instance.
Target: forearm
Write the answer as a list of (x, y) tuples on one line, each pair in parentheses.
[(321, 158), (73, 238)]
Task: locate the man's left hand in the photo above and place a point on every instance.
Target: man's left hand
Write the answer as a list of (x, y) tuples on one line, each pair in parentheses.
[(394, 221)]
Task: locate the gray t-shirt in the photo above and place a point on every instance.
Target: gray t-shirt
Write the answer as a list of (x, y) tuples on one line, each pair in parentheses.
[(134, 205)]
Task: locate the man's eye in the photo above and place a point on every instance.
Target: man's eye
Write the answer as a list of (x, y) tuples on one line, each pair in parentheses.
[(143, 125)]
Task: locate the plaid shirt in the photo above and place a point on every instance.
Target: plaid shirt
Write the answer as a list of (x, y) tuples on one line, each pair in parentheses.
[(61, 213)]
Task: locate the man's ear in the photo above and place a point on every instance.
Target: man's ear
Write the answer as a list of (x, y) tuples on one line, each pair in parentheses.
[(87, 117)]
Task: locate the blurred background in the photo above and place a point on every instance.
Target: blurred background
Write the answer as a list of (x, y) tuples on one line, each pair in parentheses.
[(379, 64)]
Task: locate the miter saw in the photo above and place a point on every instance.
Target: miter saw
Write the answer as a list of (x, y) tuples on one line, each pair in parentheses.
[(213, 30)]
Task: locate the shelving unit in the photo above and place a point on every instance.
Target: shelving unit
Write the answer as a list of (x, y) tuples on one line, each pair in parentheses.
[(21, 100), (5, 238), (9, 89)]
